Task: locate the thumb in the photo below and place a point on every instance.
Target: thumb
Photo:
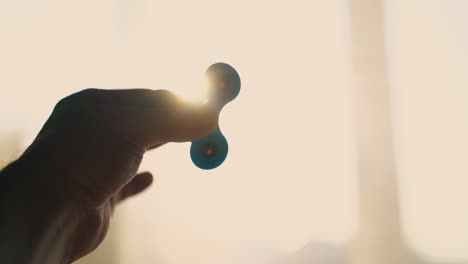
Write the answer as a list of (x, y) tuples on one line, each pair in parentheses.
[(138, 184)]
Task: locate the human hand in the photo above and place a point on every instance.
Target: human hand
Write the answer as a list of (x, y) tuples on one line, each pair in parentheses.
[(84, 161)]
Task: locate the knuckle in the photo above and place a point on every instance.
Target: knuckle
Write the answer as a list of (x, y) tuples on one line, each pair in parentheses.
[(88, 92), (76, 97), (64, 103)]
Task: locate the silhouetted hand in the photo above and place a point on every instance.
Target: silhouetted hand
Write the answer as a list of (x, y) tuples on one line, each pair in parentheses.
[(57, 198)]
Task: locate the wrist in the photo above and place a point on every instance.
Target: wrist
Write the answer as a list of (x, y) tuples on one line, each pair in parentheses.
[(33, 217)]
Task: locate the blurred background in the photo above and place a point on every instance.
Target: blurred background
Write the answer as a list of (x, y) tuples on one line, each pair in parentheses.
[(348, 141)]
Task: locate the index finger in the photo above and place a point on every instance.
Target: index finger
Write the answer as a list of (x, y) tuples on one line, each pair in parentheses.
[(166, 119)]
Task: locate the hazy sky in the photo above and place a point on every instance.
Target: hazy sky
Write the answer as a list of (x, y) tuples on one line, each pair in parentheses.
[(290, 174)]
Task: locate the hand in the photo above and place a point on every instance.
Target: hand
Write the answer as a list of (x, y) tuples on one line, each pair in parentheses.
[(83, 162)]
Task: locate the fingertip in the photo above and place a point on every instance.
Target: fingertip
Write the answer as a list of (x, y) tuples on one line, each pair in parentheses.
[(210, 116), (200, 122), (144, 179)]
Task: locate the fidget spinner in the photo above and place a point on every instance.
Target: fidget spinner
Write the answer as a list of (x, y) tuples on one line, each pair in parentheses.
[(223, 86)]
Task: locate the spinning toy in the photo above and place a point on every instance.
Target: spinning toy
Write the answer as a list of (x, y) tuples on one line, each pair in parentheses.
[(223, 86)]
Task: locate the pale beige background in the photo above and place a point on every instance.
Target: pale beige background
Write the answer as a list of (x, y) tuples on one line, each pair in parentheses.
[(292, 174)]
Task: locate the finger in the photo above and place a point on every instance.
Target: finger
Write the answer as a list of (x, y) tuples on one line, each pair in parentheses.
[(147, 117), (138, 184), (156, 116), (175, 121)]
